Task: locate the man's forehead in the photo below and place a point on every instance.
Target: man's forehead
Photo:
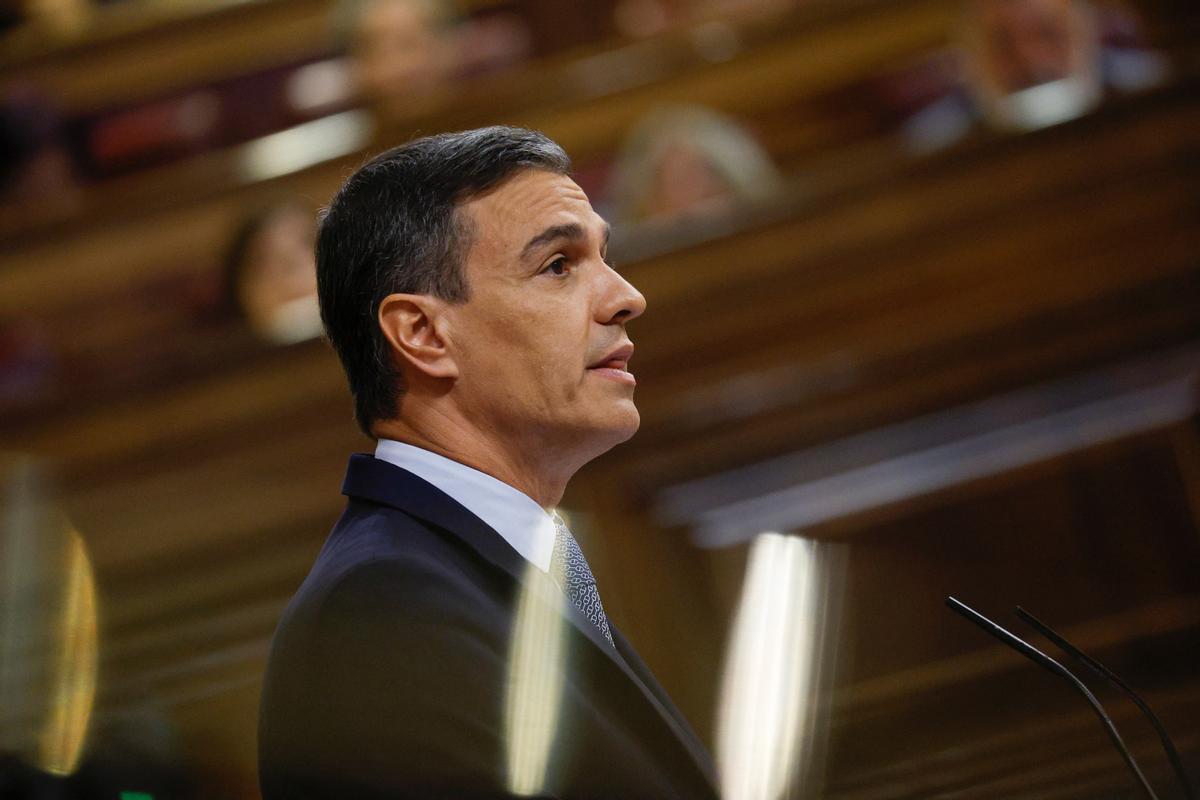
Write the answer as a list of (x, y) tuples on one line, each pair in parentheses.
[(529, 202)]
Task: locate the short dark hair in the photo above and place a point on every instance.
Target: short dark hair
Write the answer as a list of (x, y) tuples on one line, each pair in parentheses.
[(394, 227)]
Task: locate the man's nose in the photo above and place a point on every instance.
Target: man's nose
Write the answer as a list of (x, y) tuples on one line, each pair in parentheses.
[(622, 301)]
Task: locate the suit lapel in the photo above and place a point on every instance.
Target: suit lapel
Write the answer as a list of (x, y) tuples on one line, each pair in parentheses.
[(376, 480), (661, 700)]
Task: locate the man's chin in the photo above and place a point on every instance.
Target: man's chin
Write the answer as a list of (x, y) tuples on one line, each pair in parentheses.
[(624, 424), (617, 425)]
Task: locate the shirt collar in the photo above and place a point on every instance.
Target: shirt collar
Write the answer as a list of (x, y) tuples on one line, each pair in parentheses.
[(514, 515)]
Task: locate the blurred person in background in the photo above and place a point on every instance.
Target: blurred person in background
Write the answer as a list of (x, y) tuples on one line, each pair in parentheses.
[(271, 274), (1027, 64), (403, 52), (36, 166), (491, 41), (464, 285), (686, 161)]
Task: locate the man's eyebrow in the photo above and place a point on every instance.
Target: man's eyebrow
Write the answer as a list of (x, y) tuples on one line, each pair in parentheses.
[(571, 231)]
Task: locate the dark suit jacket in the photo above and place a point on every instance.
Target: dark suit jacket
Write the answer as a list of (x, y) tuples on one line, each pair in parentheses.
[(388, 672)]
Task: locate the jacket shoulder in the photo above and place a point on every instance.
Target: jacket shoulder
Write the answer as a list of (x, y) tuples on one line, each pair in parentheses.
[(387, 660)]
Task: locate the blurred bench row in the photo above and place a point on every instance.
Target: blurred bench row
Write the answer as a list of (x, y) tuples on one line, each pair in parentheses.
[(588, 97)]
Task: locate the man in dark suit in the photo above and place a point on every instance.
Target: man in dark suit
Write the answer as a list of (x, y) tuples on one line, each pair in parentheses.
[(450, 640)]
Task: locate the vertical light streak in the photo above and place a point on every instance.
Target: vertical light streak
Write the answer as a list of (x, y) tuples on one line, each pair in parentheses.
[(48, 628), (767, 737), (535, 682), (74, 670)]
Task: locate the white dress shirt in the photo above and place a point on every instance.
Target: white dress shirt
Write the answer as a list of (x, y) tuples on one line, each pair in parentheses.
[(525, 525)]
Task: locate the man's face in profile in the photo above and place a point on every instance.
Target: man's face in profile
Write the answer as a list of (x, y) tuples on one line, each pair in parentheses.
[(541, 343)]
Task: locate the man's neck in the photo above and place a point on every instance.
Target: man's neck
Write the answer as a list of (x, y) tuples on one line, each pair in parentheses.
[(461, 442)]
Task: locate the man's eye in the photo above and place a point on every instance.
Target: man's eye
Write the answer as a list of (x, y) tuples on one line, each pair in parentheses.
[(557, 267)]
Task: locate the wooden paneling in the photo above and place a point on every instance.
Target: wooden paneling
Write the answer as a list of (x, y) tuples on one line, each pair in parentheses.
[(133, 55)]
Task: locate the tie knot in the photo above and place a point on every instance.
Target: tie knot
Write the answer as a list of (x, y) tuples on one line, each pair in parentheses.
[(568, 560)]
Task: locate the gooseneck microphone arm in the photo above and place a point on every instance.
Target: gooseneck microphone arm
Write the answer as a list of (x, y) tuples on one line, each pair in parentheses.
[(1115, 680), (1032, 653)]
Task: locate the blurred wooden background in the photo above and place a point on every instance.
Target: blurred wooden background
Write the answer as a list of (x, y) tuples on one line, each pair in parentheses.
[(1059, 268)]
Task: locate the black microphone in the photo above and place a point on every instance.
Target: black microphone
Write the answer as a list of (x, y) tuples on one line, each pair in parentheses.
[(1115, 680), (1029, 651)]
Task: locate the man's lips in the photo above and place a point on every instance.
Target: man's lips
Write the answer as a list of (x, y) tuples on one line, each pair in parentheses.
[(616, 364), (615, 359)]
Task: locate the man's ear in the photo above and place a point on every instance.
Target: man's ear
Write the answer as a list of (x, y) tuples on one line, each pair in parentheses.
[(414, 326)]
